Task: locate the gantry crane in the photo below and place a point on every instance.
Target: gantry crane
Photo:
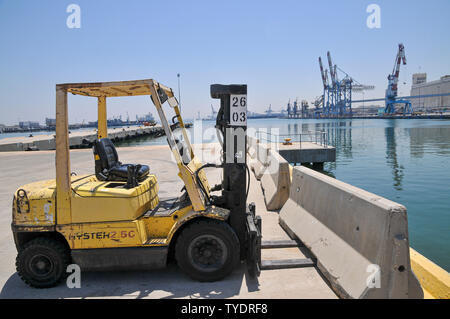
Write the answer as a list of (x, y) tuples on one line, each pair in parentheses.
[(337, 94), (289, 109)]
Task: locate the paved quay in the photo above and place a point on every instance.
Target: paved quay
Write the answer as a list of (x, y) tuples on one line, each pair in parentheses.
[(19, 168)]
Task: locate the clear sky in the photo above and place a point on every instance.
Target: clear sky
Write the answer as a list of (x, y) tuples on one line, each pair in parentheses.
[(272, 46)]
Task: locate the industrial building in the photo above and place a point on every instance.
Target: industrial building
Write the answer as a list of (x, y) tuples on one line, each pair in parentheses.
[(420, 86), (50, 123), (29, 125)]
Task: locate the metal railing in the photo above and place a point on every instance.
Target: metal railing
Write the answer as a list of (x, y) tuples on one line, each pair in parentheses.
[(316, 137)]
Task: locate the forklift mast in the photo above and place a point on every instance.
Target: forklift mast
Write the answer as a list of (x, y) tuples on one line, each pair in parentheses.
[(231, 122), (233, 101)]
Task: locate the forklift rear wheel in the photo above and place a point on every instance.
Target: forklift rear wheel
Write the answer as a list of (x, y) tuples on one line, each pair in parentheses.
[(42, 262), (207, 250)]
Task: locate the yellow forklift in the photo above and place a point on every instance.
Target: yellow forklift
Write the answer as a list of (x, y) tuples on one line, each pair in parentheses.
[(113, 219)]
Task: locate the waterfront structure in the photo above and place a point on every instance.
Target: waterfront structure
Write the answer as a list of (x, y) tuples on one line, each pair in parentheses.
[(50, 123), (77, 139), (420, 86), (11, 129), (368, 110), (25, 125), (146, 118)]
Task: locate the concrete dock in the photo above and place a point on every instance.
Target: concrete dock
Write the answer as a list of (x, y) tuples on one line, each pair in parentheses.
[(307, 152), (77, 139), (308, 147), (19, 168)]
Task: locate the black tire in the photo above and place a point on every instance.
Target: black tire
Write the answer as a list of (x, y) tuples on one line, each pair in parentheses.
[(42, 262), (207, 250)]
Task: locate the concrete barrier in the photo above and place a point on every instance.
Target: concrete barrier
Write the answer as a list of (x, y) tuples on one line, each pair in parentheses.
[(74, 140), (45, 144), (10, 147), (251, 146), (276, 181), (251, 152), (262, 160), (360, 239)]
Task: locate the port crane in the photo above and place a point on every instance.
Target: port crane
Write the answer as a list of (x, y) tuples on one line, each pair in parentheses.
[(392, 89), (213, 112), (297, 110), (289, 109), (391, 98), (337, 94)]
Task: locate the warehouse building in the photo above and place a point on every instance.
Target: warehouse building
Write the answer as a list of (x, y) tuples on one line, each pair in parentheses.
[(420, 86)]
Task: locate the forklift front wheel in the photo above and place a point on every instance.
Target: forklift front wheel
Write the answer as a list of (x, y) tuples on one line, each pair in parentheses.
[(207, 250), (42, 262)]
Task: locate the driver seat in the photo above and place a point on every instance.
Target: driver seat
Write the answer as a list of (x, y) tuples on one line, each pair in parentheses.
[(108, 167)]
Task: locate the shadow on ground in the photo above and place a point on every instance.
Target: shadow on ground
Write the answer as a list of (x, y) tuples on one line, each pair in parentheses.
[(166, 283)]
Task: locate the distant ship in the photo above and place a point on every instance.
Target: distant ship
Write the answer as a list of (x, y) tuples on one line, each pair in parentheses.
[(268, 114), (146, 118)]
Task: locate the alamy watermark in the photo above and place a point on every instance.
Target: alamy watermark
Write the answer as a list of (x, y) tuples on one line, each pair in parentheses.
[(73, 21), (233, 151), (374, 278), (74, 279), (374, 19)]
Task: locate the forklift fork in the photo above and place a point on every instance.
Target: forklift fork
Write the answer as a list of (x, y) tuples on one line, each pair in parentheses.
[(254, 235)]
